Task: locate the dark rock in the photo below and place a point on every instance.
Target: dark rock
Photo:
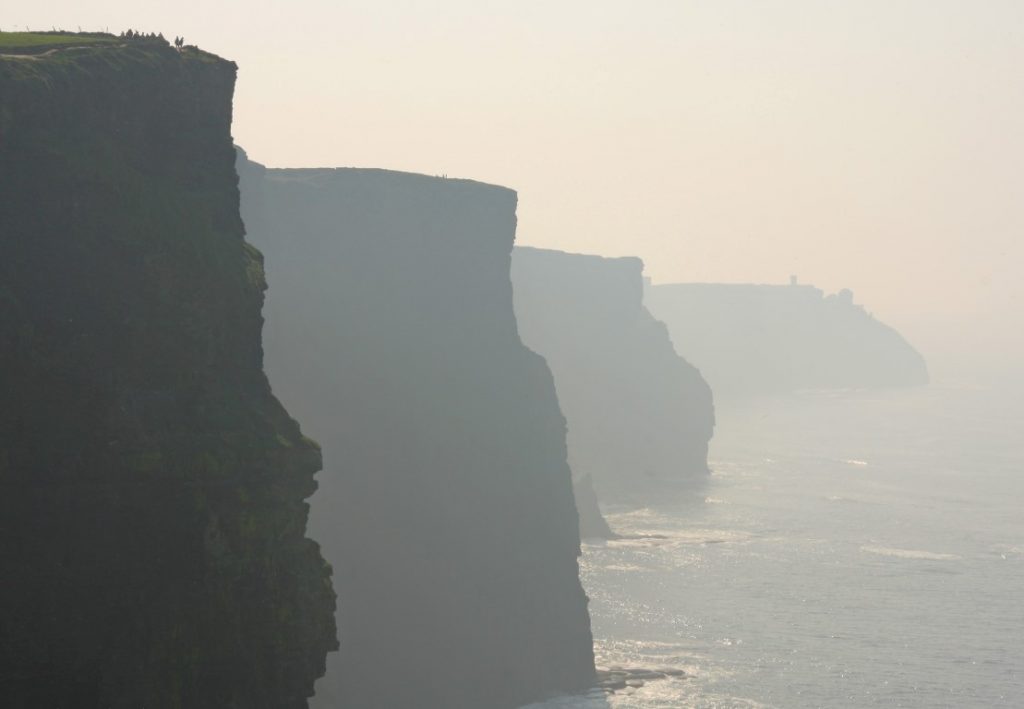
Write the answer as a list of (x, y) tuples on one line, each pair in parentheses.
[(615, 678), (152, 514)]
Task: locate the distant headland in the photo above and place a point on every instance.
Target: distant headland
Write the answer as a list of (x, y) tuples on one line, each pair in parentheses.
[(750, 339)]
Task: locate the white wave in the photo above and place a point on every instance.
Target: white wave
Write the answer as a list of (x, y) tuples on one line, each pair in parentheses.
[(639, 539), (624, 567), (910, 553), (1008, 551), (848, 500), (710, 536)]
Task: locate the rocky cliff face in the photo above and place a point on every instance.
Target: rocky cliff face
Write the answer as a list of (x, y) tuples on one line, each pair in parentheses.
[(152, 514), (635, 409), (762, 339), (445, 506)]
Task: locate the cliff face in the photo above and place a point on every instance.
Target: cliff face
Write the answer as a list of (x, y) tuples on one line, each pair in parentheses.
[(445, 506), (636, 410), (152, 514), (762, 339)]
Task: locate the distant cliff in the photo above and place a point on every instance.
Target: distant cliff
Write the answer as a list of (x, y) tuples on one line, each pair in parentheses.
[(152, 519), (757, 339), (445, 506), (635, 409)]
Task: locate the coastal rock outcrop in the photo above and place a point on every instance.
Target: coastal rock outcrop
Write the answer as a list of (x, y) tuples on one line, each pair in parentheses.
[(593, 525), (635, 409), (763, 339), (152, 513), (445, 507)]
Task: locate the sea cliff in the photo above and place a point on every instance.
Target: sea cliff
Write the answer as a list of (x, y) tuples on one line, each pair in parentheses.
[(636, 410), (445, 506), (764, 339), (152, 514)]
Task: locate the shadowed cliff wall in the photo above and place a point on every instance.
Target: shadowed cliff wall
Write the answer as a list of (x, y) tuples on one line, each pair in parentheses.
[(445, 505), (152, 514), (635, 409), (762, 339)]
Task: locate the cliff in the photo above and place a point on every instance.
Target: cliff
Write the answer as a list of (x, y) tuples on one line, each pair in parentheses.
[(635, 409), (445, 507), (152, 514), (763, 339)]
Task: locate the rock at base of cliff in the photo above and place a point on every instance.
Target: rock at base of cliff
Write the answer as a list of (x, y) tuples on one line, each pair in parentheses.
[(593, 525)]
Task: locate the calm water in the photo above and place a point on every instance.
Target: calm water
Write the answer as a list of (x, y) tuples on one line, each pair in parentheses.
[(850, 550)]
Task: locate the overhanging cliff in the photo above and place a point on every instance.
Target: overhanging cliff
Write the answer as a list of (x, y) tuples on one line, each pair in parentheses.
[(152, 514), (635, 409), (445, 506)]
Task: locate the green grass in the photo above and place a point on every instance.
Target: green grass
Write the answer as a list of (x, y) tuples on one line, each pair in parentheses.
[(46, 40)]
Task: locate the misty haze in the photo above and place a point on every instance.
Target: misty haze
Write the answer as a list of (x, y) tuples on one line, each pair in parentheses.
[(479, 355)]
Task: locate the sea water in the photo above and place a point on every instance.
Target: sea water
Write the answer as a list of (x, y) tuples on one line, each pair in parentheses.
[(849, 550)]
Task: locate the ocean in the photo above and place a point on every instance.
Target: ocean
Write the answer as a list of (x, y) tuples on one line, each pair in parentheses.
[(850, 549)]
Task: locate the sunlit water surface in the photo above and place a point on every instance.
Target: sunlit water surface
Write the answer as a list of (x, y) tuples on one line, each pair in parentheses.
[(850, 550)]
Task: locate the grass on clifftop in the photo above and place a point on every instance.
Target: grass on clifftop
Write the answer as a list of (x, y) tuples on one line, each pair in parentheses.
[(45, 40)]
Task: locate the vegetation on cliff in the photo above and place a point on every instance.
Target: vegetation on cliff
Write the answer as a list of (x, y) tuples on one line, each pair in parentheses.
[(37, 42)]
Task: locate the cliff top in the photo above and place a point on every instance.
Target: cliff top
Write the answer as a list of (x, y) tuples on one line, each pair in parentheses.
[(38, 42), (778, 291), (585, 287), (767, 287), (367, 175), (601, 282), (27, 53), (567, 259), (382, 177)]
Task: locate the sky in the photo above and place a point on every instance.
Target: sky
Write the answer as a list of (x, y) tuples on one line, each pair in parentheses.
[(875, 145)]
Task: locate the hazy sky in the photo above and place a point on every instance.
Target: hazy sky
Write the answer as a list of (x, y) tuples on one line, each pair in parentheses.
[(870, 144)]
